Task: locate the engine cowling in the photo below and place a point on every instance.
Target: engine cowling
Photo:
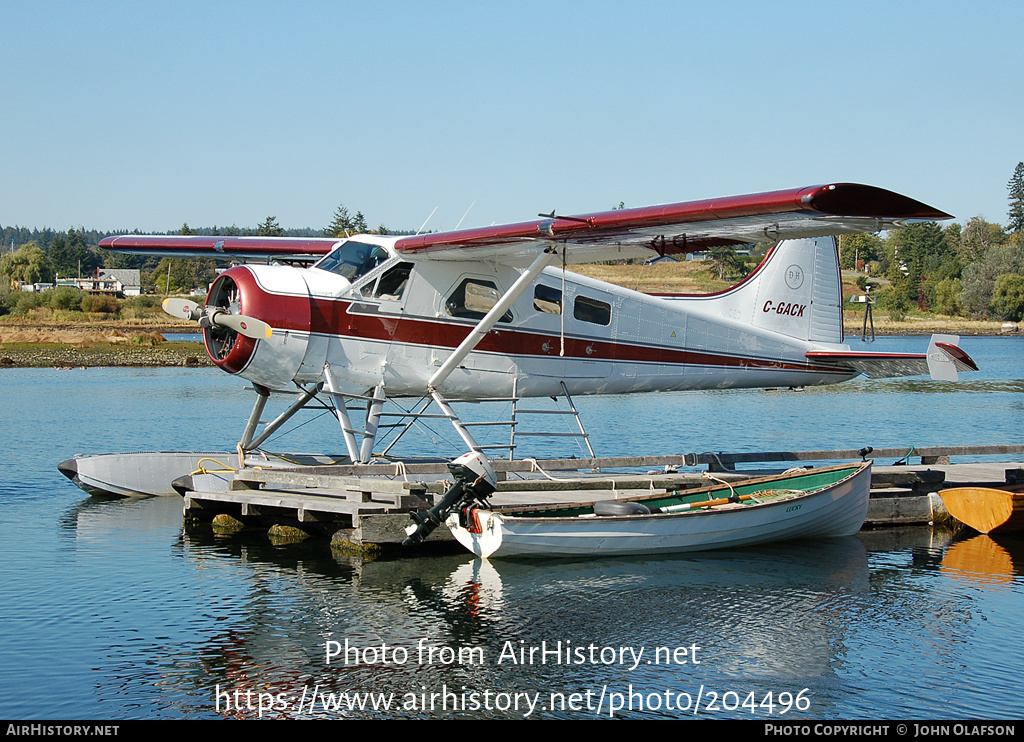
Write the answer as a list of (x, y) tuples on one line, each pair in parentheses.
[(279, 296)]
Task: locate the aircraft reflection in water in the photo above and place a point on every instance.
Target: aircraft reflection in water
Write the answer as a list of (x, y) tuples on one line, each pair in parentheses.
[(820, 615), (472, 608)]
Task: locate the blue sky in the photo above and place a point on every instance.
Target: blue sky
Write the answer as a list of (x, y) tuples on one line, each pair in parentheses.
[(147, 115)]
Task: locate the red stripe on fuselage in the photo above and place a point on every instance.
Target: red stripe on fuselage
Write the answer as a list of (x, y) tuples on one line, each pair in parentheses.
[(331, 317)]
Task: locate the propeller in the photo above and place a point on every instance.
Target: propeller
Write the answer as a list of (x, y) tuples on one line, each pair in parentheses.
[(207, 316)]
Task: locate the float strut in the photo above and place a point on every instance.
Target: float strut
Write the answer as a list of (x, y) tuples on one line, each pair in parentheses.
[(262, 395), (284, 416)]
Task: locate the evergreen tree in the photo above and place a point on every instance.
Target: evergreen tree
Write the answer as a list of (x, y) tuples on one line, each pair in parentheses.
[(270, 228), (70, 256), (345, 225), (1016, 196), (915, 253)]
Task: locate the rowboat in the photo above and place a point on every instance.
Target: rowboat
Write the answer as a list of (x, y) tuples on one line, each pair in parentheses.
[(987, 509), (805, 503)]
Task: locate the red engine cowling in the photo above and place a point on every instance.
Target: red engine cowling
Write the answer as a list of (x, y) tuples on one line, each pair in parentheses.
[(279, 296)]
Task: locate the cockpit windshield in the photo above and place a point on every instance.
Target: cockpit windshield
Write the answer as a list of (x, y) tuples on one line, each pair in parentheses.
[(353, 259)]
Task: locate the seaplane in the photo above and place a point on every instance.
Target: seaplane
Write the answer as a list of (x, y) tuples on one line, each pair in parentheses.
[(494, 312)]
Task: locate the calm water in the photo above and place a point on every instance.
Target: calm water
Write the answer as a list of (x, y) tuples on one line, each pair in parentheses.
[(110, 610)]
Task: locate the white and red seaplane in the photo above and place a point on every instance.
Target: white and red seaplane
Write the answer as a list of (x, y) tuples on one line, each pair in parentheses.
[(493, 312)]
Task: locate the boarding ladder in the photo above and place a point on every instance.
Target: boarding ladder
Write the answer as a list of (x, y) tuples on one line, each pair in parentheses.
[(405, 420)]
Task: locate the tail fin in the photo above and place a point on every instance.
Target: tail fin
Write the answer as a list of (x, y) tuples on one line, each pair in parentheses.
[(796, 291)]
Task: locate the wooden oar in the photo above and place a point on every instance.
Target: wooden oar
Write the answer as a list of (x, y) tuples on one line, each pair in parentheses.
[(707, 503), (732, 498)]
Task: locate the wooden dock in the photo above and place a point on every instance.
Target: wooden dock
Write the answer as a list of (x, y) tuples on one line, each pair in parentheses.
[(367, 507)]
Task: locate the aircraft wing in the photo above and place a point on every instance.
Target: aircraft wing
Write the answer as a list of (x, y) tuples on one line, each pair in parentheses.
[(683, 227), (248, 248), (942, 362), (650, 231)]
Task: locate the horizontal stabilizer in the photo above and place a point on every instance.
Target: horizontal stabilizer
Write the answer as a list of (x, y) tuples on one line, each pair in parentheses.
[(942, 362), (945, 358)]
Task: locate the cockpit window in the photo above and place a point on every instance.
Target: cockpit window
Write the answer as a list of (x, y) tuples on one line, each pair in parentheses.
[(353, 259)]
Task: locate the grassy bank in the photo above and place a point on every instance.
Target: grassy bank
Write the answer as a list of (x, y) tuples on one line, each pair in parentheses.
[(49, 319), (66, 336)]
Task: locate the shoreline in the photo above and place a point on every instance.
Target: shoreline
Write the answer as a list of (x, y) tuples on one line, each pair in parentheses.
[(97, 355), (90, 345)]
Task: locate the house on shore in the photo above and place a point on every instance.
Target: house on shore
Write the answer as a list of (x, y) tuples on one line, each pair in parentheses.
[(108, 281)]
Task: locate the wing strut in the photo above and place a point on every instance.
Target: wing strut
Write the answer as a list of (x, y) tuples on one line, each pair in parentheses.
[(490, 319), (474, 477)]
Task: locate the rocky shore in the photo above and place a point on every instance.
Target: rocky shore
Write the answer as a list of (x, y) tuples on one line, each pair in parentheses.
[(75, 357), (78, 347)]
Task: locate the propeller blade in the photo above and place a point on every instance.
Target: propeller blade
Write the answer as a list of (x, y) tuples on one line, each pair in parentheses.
[(248, 326), (182, 308)]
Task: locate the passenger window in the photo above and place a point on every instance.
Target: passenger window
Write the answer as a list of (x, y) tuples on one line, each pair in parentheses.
[(547, 299), (592, 310), (473, 299), (392, 284)]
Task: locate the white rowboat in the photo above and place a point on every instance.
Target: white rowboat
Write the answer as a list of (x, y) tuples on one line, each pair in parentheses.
[(809, 503)]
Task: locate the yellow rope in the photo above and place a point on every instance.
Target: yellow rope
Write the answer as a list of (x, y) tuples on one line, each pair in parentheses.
[(203, 470)]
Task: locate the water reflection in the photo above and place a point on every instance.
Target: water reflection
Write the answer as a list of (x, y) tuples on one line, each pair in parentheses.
[(983, 560), (103, 517), (964, 386), (772, 615), (168, 617)]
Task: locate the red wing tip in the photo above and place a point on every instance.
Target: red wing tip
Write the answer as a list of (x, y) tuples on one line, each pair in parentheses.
[(855, 199), (958, 354)]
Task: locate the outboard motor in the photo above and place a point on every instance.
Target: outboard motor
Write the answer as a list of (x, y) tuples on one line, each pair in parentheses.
[(475, 481)]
